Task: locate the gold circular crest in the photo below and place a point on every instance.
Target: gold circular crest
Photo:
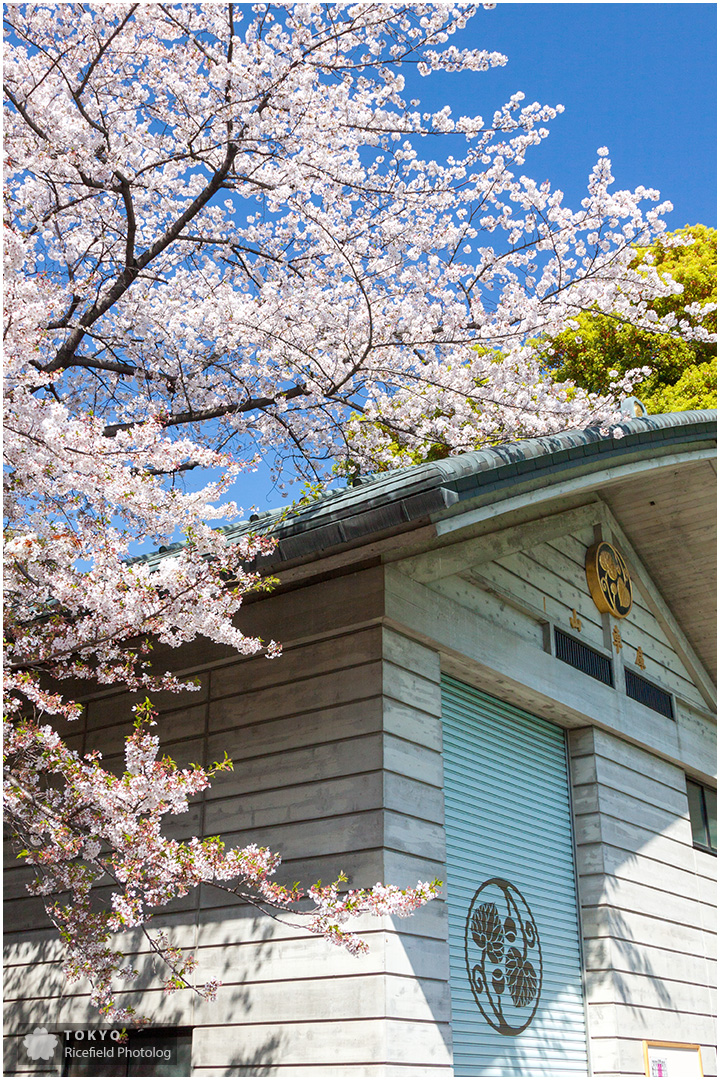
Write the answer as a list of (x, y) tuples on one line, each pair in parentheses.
[(608, 579)]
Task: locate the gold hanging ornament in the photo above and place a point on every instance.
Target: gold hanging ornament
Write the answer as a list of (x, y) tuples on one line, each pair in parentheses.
[(608, 579)]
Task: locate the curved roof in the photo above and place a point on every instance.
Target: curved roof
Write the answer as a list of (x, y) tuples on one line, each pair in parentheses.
[(403, 496), (400, 497), (657, 479)]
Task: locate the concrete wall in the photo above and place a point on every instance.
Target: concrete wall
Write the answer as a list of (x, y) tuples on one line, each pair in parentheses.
[(337, 766), (648, 902)]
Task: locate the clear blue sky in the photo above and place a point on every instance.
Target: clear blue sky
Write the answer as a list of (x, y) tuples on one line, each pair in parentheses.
[(637, 78)]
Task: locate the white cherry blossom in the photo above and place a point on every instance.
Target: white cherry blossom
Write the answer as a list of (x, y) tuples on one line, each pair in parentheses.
[(228, 235)]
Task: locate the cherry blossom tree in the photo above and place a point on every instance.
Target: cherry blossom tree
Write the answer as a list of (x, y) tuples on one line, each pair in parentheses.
[(226, 232)]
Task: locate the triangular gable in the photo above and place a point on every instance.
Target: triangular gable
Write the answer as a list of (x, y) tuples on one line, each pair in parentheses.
[(533, 573)]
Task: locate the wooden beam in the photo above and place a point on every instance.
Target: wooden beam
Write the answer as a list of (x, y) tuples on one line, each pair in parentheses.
[(455, 558)]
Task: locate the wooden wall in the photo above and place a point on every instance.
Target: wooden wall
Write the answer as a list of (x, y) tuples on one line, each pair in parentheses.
[(550, 577), (648, 905), (647, 896), (338, 767), (338, 759)]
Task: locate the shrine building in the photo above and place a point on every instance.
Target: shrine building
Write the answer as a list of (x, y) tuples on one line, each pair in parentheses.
[(498, 670)]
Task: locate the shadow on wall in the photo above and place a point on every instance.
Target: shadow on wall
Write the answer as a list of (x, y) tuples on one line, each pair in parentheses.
[(643, 958), (647, 899), (310, 788), (614, 964), (64, 1007), (636, 992)]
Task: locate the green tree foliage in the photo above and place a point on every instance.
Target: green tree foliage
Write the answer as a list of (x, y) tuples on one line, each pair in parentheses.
[(695, 389), (683, 372)]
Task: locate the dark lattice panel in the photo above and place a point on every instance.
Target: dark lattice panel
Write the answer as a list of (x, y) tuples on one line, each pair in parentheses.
[(581, 656), (648, 694)]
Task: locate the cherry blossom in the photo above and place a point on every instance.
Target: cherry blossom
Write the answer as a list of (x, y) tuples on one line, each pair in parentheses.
[(97, 827), (229, 236)]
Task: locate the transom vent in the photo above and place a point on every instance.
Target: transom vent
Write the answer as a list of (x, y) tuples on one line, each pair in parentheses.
[(648, 694), (581, 656)]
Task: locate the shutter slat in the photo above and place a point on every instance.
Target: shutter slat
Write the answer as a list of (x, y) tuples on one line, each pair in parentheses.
[(507, 817)]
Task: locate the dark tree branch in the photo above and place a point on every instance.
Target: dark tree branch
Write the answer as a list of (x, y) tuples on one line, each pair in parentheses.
[(193, 417), (103, 48), (24, 113), (131, 223), (63, 358), (64, 320)]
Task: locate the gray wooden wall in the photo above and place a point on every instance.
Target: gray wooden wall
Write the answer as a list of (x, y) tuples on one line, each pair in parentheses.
[(338, 767), (648, 905), (337, 748), (547, 580), (488, 605)]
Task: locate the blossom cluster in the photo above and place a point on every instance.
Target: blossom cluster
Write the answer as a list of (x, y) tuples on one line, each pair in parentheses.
[(94, 827), (229, 237)]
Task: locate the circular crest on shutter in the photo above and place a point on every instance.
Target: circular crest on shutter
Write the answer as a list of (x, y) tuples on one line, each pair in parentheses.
[(503, 956)]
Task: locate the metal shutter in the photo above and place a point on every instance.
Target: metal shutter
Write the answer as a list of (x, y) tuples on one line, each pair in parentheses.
[(516, 985)]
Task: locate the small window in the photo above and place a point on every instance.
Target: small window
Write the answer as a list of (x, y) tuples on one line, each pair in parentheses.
[(579, 655), (649, 694), (703, 816), (145, 1052)]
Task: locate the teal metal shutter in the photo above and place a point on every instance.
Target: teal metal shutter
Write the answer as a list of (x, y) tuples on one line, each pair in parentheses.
[(516, 985)]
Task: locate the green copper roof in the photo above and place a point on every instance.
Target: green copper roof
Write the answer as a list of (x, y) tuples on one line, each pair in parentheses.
[(402, 497)]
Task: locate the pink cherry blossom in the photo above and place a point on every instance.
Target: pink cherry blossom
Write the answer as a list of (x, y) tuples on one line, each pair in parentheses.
[(228, 236)]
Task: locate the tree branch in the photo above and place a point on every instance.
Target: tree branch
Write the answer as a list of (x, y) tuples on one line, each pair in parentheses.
[(193, 417), (24, 113), (131, 223), (67, 351), (103, 48)]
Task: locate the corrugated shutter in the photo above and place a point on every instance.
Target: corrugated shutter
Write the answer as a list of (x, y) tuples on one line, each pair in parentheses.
[(517, 1005)]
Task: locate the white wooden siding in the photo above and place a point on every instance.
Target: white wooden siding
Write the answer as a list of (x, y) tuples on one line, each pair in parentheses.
[(337, 751), (550, 578)]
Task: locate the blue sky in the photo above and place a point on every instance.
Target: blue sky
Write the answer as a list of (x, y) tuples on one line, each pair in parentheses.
[(637, 78)]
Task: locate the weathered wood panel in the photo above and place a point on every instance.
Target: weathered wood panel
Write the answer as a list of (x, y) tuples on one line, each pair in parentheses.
[(305, 695), (370, 1044), (415, 837), (648, 906), (502, 663), (608, 954), (493, 609), (551, 576), (637, 1022), (337, 766)]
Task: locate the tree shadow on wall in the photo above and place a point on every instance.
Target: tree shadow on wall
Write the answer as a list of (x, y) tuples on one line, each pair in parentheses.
[(38, 995)]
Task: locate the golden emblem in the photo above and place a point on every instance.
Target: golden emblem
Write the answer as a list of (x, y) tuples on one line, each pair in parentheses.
[(640, 659), (617, 639), (608, 579), (575, 620)]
